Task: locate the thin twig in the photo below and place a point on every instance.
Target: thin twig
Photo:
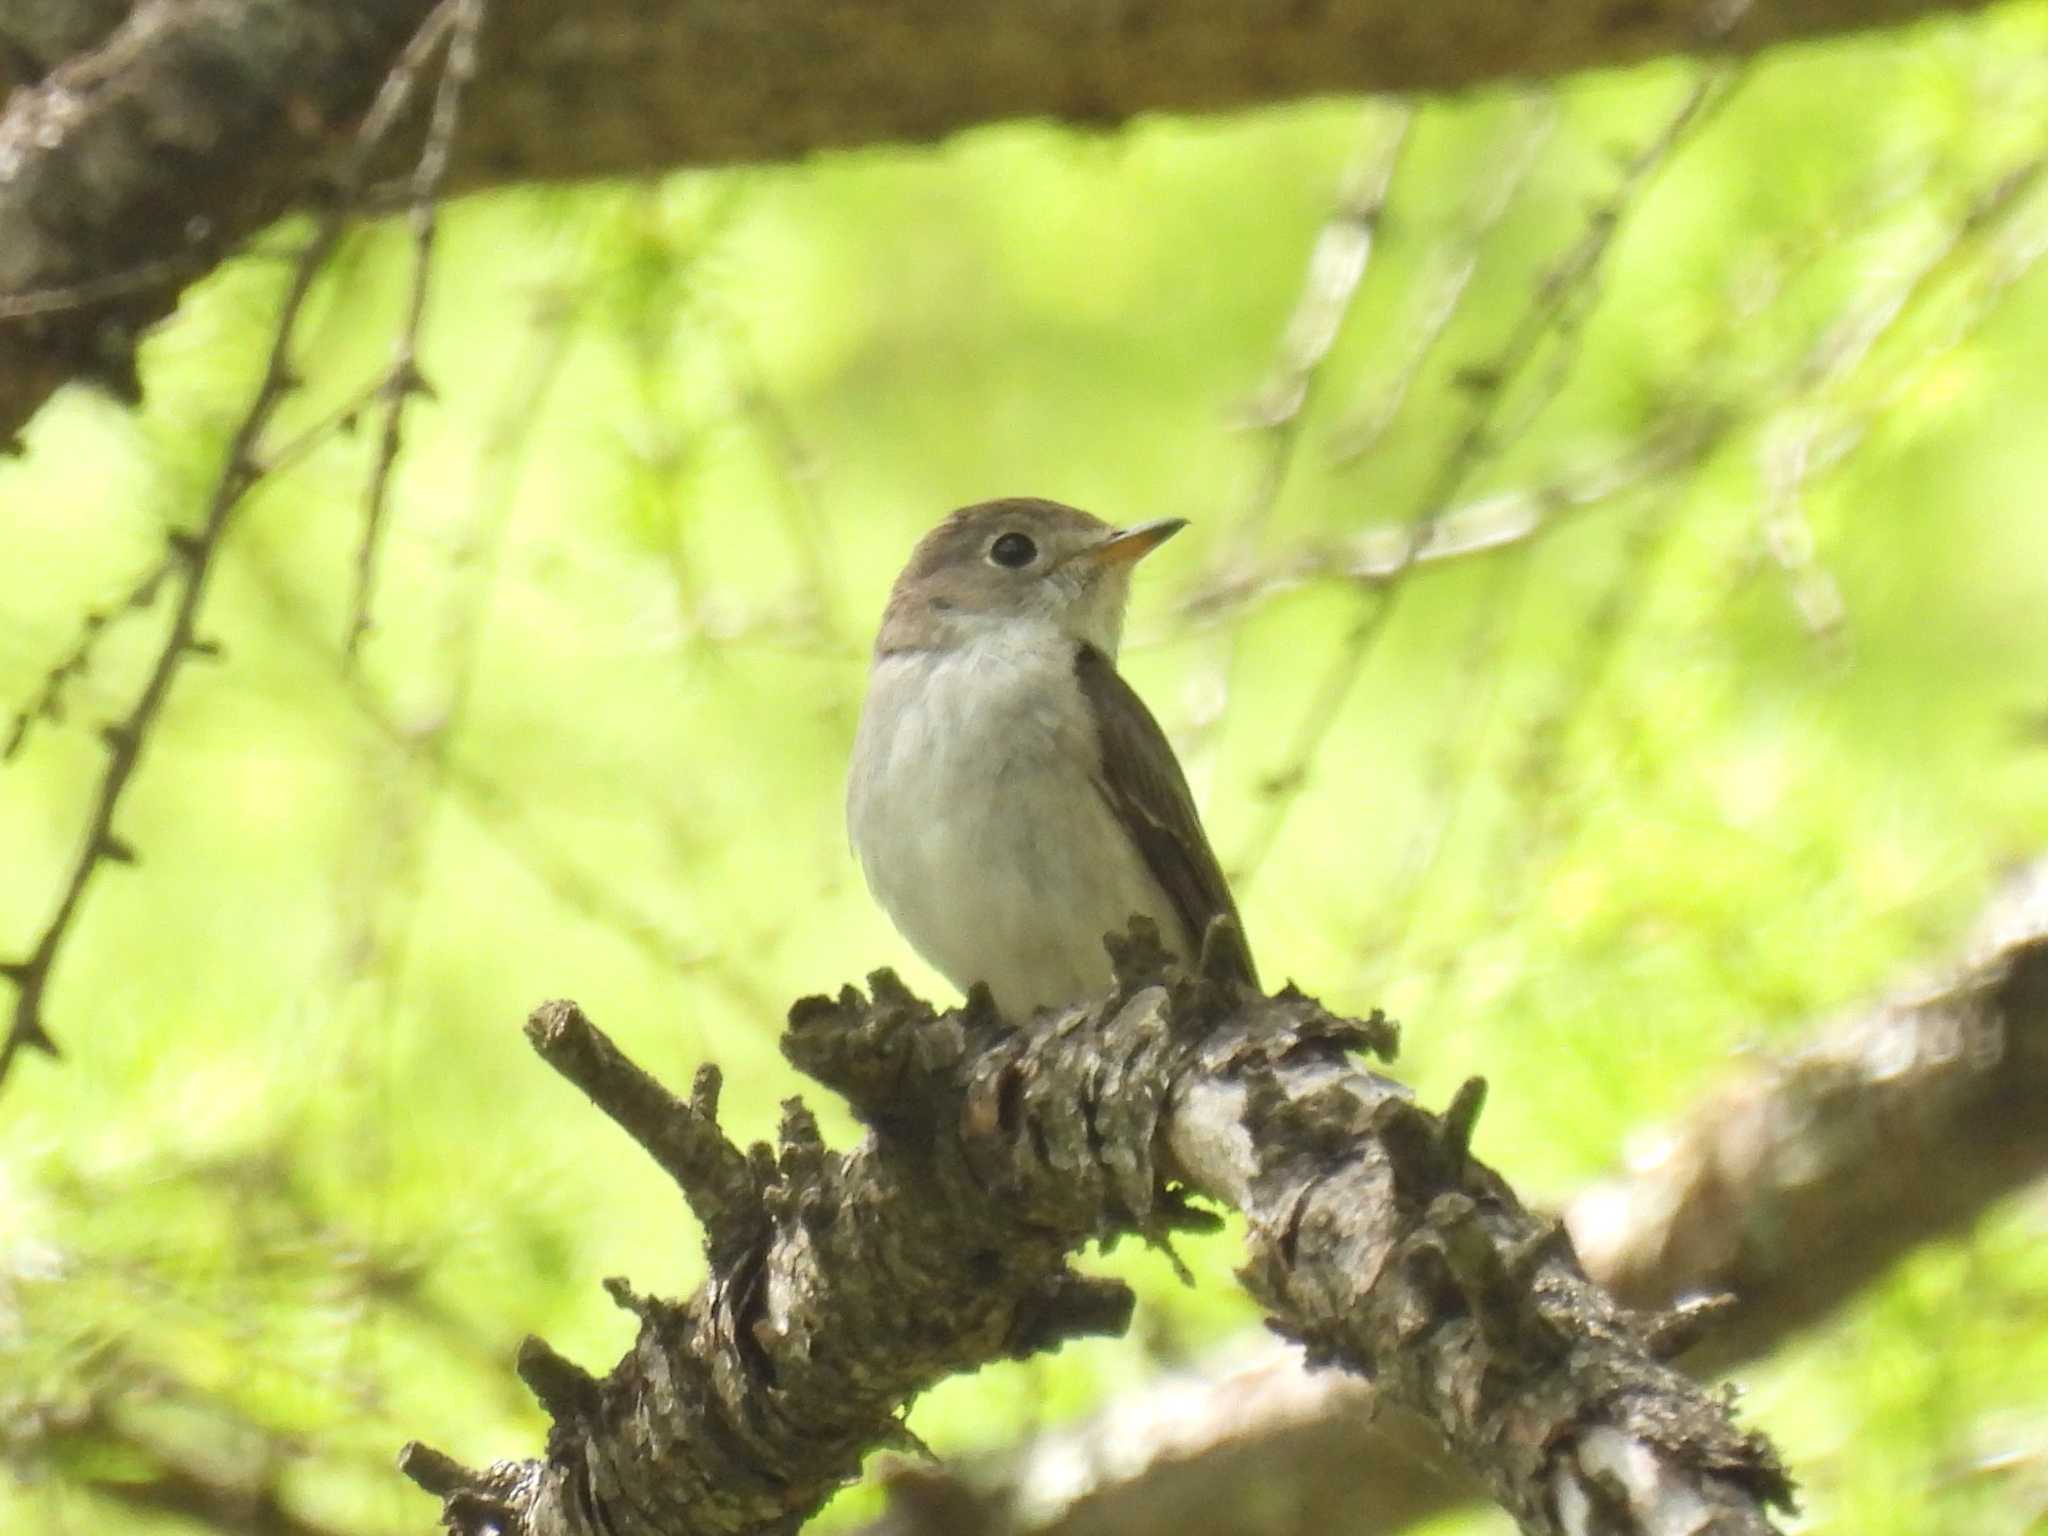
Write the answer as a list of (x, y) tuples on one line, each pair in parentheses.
[(1558, 306), (1686, 437), (487, 800), (1337, 265), (48, 704), (1797, 444), (1804, 444), (1487, 526), (403, 380), (339, 419), (194, 556), (97, 290), (1364, 431), (808, 529), (1560, 301)]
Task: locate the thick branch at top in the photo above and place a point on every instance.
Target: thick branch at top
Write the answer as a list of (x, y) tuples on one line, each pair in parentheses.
[(614, 87), (127, 171)]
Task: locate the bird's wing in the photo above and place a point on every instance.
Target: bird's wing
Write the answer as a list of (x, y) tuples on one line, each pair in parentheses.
[(1140, 778)]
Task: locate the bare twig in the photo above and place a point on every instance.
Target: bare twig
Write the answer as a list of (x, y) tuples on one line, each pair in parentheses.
[(1445, 289), (1804, 442), (48, 704), (1656, 466), (1799, 434), (1556, 309), (1688, 435), (1336, 266), (403, 379), (164, 273), (338, 420), (490, 803), (194, 556), (1486, 526), (1788, 463), (808, 530)]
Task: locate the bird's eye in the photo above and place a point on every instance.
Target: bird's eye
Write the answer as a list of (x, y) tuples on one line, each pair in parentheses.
[(1014, 550)]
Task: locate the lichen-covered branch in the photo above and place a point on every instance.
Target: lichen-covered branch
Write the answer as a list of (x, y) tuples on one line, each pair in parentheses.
[(1891, 1127), (841, 1285)]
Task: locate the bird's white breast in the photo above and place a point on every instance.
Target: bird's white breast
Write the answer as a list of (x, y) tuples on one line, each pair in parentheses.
[(978, 825)]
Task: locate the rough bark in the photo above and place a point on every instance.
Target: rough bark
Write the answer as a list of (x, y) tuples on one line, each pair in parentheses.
[(128, 170), (840, 1286), (620, 88), (133, 168), (1788, 1189)]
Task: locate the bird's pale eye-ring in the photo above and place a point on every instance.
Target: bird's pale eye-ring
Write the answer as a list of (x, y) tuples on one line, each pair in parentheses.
[(1014, 550)]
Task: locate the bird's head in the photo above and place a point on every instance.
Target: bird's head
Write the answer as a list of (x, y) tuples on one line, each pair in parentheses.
[(1021, 565)]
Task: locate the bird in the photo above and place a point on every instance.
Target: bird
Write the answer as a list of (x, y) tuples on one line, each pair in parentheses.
[(1011, 801)]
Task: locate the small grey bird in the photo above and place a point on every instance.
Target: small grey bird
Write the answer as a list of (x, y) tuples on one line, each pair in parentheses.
[(1011, 799)]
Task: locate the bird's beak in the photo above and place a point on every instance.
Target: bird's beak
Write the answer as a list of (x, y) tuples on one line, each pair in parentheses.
[(1131, 544)]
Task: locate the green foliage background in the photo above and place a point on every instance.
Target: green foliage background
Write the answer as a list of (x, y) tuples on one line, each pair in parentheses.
[(1596, 813)]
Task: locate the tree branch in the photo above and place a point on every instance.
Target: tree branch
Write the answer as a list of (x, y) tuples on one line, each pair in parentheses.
[(842, 1285), (1891, 1129), (128, 170)]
